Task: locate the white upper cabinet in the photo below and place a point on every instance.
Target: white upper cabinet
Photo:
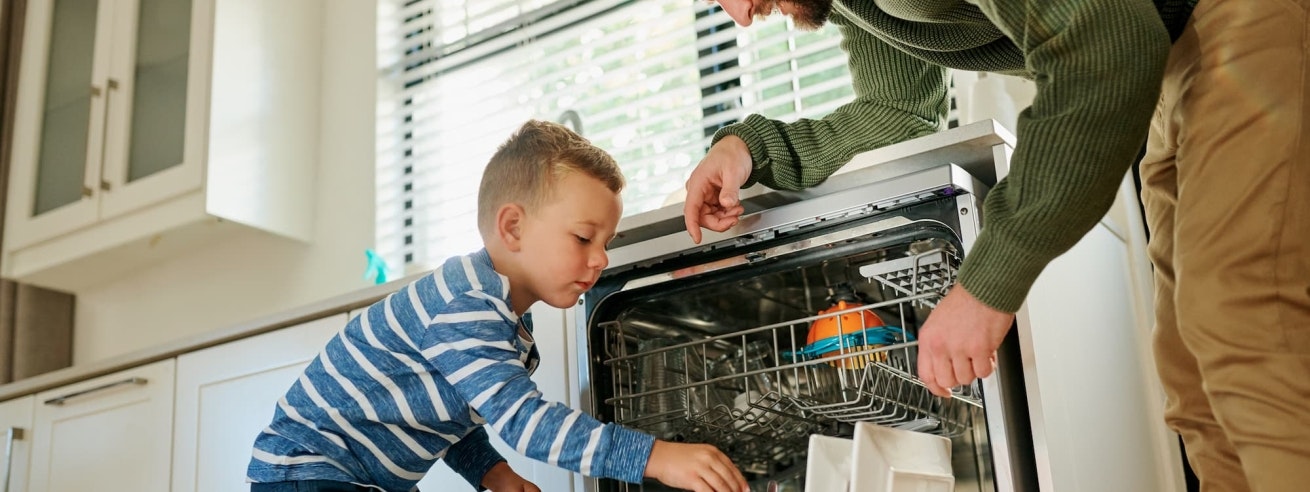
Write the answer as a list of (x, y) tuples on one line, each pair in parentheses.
[(146, 127)]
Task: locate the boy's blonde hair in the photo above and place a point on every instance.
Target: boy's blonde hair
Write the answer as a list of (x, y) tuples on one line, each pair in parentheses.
[(525, 168)]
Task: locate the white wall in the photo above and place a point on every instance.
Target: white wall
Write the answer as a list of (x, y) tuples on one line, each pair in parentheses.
[(982, 96), (251, 275)]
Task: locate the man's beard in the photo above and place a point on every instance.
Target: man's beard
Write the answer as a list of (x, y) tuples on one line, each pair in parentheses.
[(809, 15)]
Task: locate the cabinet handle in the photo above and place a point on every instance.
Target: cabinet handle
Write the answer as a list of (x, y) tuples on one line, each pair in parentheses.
[(14, 434), (63, 399), (110, 84), (96, 92)]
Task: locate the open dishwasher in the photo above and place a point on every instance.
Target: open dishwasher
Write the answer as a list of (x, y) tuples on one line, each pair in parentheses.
[(734, 360), (803, 319), (800, 320)]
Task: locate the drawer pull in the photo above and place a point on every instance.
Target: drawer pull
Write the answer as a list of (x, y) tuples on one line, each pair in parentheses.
[(63, 399)]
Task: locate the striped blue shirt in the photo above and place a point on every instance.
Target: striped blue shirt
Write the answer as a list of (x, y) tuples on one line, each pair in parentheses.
[(421, 371)]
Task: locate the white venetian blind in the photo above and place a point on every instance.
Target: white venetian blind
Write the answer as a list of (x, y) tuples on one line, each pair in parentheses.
[(772, 69), (647, 80)]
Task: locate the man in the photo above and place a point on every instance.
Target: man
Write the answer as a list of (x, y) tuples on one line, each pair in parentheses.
[(1222, 89)]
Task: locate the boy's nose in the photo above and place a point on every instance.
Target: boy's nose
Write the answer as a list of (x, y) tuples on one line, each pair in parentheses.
[(600, 260)]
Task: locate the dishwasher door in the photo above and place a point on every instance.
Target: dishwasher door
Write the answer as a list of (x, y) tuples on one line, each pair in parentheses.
[(803, 327)]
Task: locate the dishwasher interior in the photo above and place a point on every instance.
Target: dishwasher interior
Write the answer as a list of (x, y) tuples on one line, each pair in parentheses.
[(756, 357)]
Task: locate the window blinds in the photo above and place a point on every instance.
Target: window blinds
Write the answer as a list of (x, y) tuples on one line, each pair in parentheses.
[(647, 80)]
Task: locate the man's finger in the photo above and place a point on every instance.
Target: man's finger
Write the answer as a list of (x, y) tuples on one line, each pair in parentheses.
[(963, 371), (941, 366), (733, 212), (717, 224), (691, 209), (982, 366), (926, 371), (728, 196), (719, 219)]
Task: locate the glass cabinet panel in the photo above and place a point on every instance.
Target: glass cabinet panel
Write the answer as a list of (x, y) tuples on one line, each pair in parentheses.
[(159, 101), (66, 114)]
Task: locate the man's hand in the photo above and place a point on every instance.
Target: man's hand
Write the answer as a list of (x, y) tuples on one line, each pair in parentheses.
[(712, 188), (502, 478), (958, 342), (696, 467)]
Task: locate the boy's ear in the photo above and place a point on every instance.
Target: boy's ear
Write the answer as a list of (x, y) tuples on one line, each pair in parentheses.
[(509, 226)]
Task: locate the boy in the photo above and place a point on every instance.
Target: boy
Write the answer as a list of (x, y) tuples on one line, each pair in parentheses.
[(413, 379)]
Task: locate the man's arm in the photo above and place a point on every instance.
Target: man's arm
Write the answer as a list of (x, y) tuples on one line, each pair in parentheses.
[(1098, 66), (897, 97)]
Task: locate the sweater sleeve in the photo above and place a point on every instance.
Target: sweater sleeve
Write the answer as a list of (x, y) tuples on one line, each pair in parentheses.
[(1098, 65), (472, 457), (897, 97), (470, 344)]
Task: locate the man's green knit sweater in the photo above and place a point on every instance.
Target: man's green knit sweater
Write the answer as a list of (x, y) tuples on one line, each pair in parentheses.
[(1097, 64)]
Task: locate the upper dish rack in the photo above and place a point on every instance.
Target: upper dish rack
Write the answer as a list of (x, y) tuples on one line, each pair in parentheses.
[(759, 393), (931, 271)]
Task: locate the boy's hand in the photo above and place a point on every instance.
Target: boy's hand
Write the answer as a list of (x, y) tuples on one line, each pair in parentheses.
[(501, 478), (697, 467)]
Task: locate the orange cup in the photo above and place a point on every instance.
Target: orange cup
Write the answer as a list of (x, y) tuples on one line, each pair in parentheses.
[(853, 322)]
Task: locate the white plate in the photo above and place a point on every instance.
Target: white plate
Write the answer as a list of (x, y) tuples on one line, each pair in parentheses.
[(893, 460), (828, 467)]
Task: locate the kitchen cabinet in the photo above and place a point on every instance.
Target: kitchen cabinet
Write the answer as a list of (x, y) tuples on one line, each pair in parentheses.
[(108, 433), (145, 127), (226, 396), (16, 430), (554, 381)]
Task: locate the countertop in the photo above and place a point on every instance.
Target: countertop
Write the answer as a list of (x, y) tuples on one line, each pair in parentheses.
[(291, 317)]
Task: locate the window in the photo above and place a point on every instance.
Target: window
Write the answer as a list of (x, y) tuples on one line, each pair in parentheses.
[(648, 80)]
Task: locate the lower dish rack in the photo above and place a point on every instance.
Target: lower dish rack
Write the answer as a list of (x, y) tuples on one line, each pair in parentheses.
[(758, 394)]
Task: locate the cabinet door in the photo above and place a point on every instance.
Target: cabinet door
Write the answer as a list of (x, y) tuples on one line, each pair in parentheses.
[(226, 396), (60, 115), (16, 430), (108, 433), (552, 379), (155, 132)]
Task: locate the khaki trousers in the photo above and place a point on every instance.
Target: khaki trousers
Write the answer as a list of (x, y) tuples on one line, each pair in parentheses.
[(1226, 188)]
